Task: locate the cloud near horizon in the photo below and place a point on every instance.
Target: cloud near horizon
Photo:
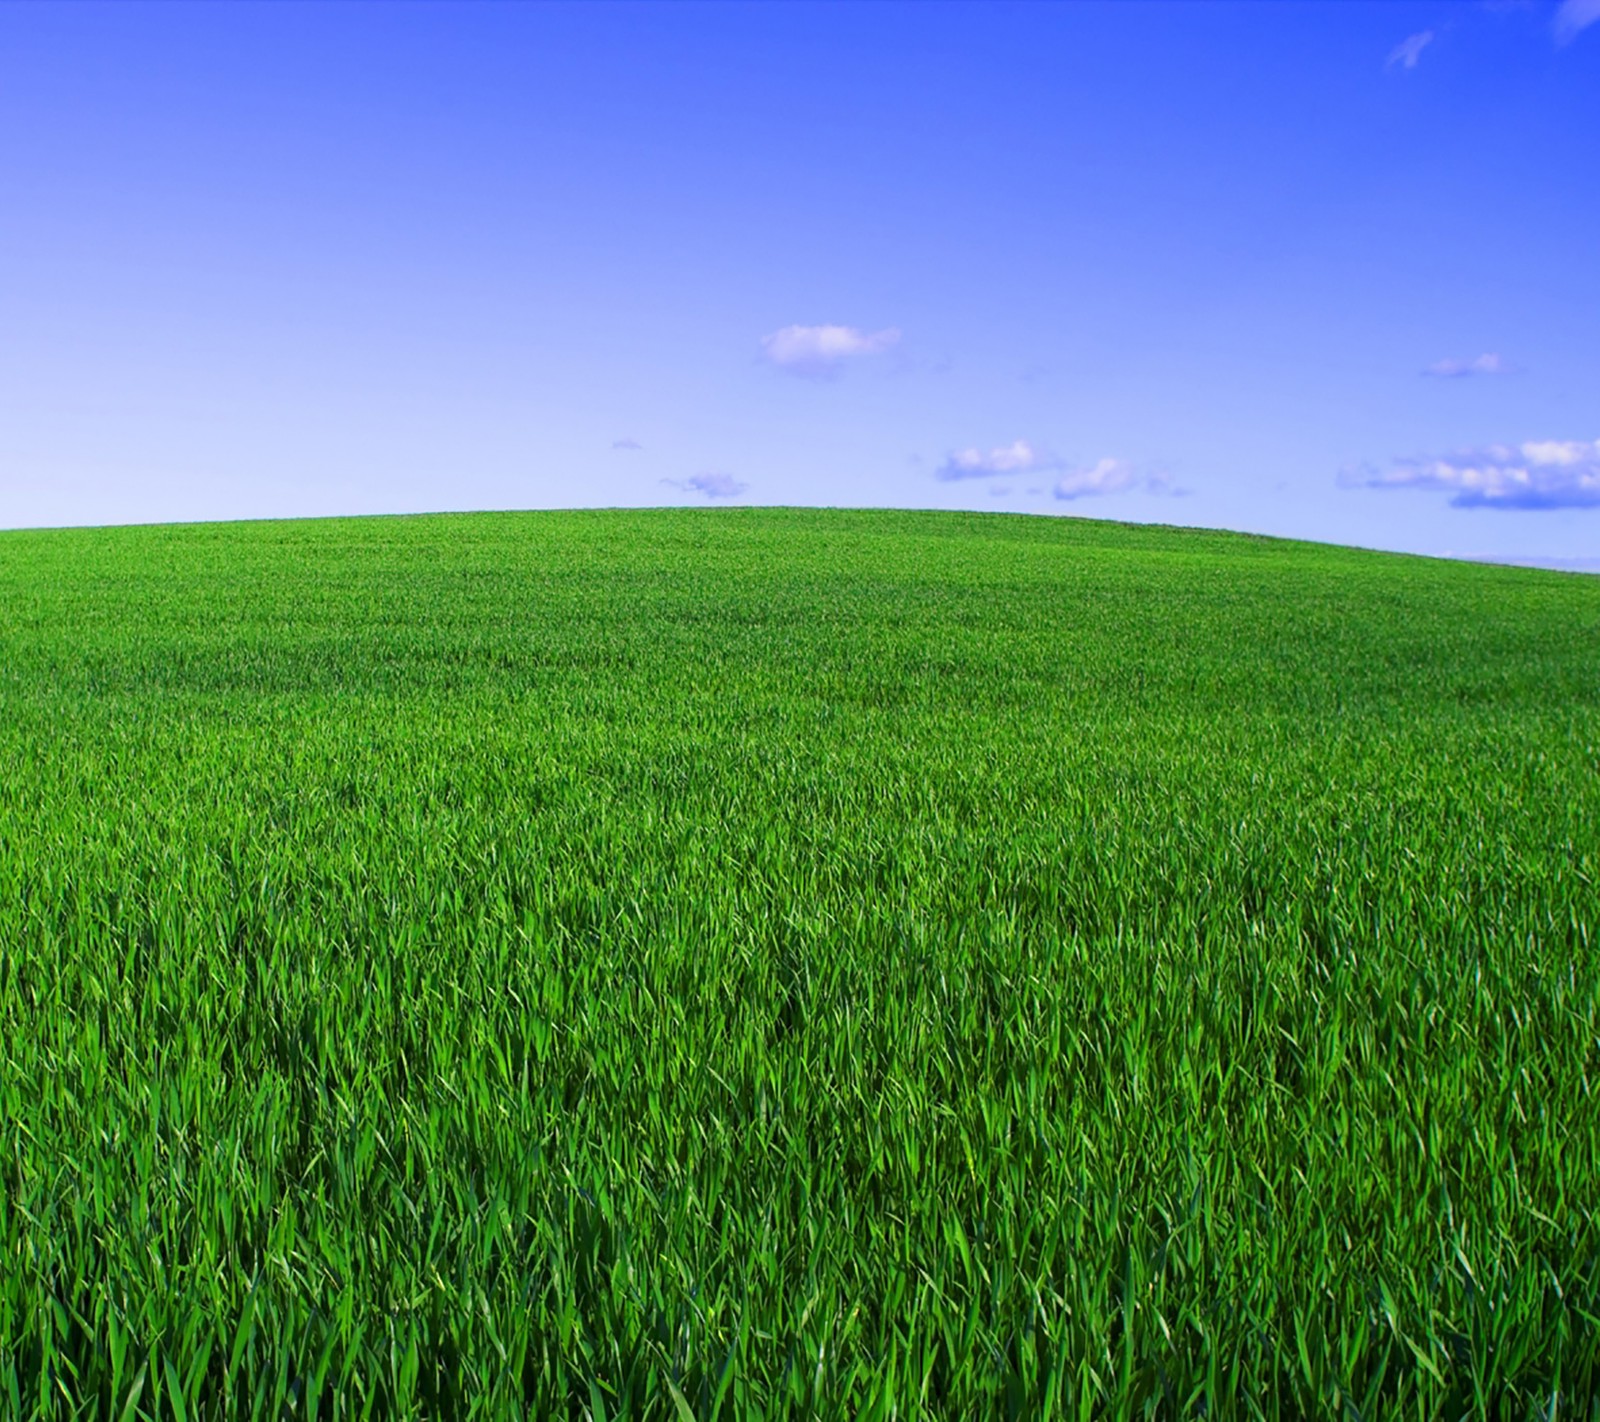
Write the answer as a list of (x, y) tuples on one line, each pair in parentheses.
[(1409, 51), (626, 444), (1538, 474), (1487, 364), (1018, 457), (822, 350), (1105, 476), (713, 486), (1573, 16)]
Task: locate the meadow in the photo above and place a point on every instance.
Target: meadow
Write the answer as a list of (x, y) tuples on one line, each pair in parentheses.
[(778, 963)]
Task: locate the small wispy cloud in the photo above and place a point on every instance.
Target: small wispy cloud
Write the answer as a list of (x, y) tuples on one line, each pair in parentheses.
[(1537, 474), (1572, 17), (1486, 364), (822, 350), (626, 444), (1018, 457), (713, 486), (1409, 51), (1105, 476)]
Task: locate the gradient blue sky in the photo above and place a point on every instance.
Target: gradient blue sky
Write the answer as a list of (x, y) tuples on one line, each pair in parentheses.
[(1288, 268)]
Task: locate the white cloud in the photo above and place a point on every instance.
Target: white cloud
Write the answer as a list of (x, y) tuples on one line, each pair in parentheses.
[(1573, 16), (1538, 474), (626, 444), (1105, 476), (1409, 51), (1486, 364), (821, 350), (1018, 457), (713, 486)]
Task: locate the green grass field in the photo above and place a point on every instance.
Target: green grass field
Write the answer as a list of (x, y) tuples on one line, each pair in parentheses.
[(771, 963)]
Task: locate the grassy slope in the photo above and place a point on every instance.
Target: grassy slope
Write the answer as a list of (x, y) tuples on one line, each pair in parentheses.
[(800, 959)]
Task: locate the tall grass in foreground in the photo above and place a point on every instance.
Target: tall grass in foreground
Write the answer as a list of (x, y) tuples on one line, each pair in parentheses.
[(783, 964)]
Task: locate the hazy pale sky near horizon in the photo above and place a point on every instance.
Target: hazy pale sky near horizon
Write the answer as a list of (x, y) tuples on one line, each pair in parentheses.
[(1329, 271)]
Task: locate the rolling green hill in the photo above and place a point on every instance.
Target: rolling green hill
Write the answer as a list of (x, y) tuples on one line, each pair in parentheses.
[(794, 963)]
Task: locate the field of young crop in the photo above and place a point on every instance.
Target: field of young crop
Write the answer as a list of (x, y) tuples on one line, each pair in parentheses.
[(765, 963)]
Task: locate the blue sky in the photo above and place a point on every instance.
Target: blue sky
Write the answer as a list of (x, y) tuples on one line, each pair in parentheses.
[(1330, 271)]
